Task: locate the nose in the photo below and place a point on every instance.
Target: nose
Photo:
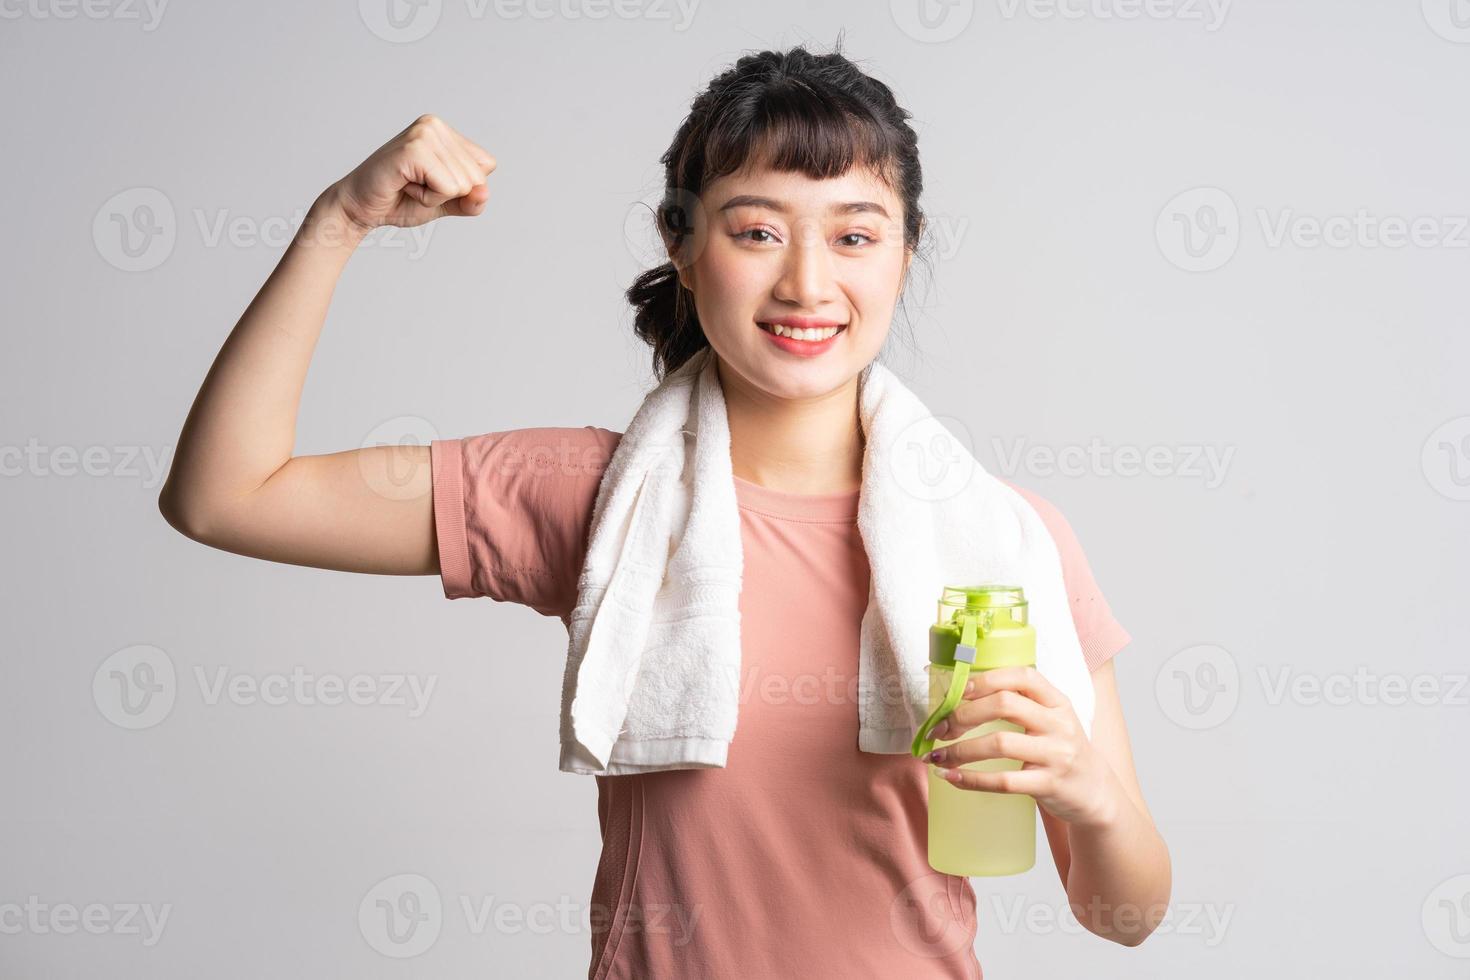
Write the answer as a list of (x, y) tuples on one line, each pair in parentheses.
[(806, 271)]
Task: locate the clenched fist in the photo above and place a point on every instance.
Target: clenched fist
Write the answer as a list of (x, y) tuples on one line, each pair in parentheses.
[(425, 172)]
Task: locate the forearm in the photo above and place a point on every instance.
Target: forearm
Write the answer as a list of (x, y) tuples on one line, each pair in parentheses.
[(242, 426), (1119, 877)]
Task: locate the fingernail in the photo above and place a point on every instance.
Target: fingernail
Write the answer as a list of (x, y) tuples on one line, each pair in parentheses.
[(935, 757), (940, 729), (969, 687)]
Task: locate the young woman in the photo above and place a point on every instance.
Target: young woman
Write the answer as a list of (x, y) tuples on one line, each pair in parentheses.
[(791, 215)]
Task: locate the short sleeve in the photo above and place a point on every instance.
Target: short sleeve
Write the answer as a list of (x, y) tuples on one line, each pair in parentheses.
[(1100, 634), (512, 510)]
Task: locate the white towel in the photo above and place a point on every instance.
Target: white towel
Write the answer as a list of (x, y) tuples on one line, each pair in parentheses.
[(653, 662)]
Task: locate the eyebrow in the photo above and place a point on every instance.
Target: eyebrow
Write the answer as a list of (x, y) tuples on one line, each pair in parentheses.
[(845, 207)]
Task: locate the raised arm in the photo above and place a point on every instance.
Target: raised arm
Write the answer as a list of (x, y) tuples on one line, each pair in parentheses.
[(234, 483)]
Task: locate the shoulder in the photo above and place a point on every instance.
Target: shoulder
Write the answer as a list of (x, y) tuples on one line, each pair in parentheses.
[(1056, 522), (540, 452), (1098, 630), (512, 511)]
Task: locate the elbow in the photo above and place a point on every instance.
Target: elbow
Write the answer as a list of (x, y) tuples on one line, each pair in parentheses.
[(1132, 938), (1123, 929), (184, 513)]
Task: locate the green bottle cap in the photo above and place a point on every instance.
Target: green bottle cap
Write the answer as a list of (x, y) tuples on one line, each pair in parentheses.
[(957, 597)]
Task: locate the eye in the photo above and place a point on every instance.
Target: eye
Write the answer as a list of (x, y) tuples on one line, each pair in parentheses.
[(842, 239), (755, 231)]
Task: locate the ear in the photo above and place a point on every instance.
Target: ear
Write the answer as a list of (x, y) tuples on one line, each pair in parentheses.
[(685, 272)]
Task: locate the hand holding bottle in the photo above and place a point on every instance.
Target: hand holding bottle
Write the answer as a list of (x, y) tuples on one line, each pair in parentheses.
[(1060, 768)]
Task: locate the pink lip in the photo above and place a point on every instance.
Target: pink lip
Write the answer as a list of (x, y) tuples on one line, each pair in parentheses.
[(803, 348)]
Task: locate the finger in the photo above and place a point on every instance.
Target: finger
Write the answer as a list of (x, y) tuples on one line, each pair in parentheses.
[(430, 182), (477, 155), (461, 173), (472, 201), (1026, 680), (1031, 782), (994, 745), (468, 206), (480, 155), (1008, 705)]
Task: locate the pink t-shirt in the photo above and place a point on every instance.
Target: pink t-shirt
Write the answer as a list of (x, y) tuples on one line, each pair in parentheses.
[(803, 856)]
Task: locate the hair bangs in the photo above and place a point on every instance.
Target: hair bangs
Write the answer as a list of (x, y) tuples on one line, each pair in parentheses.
[(794, 128)]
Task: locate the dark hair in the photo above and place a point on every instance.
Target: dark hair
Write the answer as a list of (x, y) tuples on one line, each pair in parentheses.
[(818, 115)]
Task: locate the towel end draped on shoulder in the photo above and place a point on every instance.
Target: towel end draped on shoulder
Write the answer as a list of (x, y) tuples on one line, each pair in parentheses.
[(653, 658)]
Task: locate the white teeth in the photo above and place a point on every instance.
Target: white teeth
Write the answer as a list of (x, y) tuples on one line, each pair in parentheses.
[(801, 333)]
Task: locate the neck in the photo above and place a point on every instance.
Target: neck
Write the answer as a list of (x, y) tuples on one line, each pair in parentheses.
[(806, 445)]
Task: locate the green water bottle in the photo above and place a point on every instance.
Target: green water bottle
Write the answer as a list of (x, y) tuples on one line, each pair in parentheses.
[(971, 832)]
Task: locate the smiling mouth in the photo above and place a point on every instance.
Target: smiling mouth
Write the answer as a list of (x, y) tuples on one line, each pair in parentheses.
[(810, 334)]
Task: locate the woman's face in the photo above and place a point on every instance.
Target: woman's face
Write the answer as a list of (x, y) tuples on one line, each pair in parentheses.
[(771, 247)]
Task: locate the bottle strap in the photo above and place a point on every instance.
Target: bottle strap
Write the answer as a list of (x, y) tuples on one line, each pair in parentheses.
[(964, 660)]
